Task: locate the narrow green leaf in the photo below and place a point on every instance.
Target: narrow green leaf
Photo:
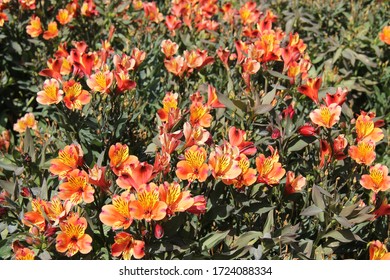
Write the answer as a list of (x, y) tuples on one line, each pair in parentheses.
[(212, 239)]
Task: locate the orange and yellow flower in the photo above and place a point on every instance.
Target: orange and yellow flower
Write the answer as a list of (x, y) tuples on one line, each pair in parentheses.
[(378, 251), (119, 158), (199, 114), (68, 159), (27, 121), (175, 199), (195, 135), (269, 168), (223, 163), (76, 188), (311, 88), (51, 32), (75, 96), (34, 29), (117, 215), (247, 177), (366, 130), (169, 48), (176, 65), (384, 36), (377, 180), (126, 246), (22, 253), (148, 205), (169, 104), (135, 175), (363, 153), (101, 81), (72, 238), (326, 116), (194, 166), (51, 94), (63, 16), (3, 18), (34, 219)]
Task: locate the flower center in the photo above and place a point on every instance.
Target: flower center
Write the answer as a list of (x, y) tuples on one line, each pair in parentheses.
[(101, 80), (376, 176), (148, 199), (122, 206), (173, 194), (325, 115), (195, 158)]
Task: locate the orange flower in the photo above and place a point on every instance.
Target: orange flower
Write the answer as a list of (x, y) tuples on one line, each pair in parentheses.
[(169, 48), (311, 88), (169, 103), (363, 153), (237, 137), (3, 18), (127, 246), (175, 199), (378, 180), (68, 159), (247, 177), (223, 163), (175, 65), (51, 32), (148, 205), (378, 251), (339, 97), (294, 184), (384, 36), (326, 116), (34, 219), (193, 167), (339, 144), (135, 175), (325, 152), (34, 29), (72, 238), (100, 81), (51, 94), (5, 138), (366, 130), (383, 210), (97, 177), (75, 95), (63, 16), (199, 114), (172, 23), (152, 12), (199, 206), (248, 13), (27, 121), (138, 56), (250, 66), (195, 135), (117, 215), (57, 210), (76, 188), (119, 158), (269, 168), (22, 253)]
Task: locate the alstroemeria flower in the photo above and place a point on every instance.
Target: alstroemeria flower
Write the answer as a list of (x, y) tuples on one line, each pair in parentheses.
[(120, 158), (199, 114), (176, 65), (68, 159), (34, 29), (100, 81), (22, 253), (366, 130), (135, 175), (377, 180), (363, 153), (72, 238), (51, 32), (27, 121), (75, 96), (169, 104), (294, 184), (311, 88), (35, 219), (237, 137), (176, 200), (117, 215), (384, 36), (126, 246), (51, 93), (339, 144), (247, 177), (378, 251), (169, 48), (339, 97), (223, 163), (195, 135), (269, 168), (76, 188), (194, 166), (63, 16), (148, 205), (326, 116)]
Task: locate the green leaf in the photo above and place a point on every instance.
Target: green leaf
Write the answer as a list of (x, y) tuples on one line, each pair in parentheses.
[(229, 104), (16, 46), (212, 239), (262, 109), (247, 239), (344, 236), (8, 186), (312, 210), (317, 197), (278, 75)]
